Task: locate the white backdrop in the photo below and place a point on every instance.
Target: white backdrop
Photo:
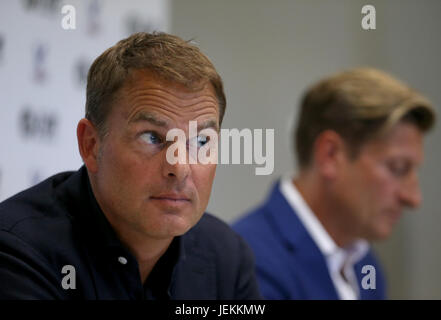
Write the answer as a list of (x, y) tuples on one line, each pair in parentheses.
[(43, 70)]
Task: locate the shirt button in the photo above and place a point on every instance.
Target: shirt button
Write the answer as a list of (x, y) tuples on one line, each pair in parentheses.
[(122, 260)]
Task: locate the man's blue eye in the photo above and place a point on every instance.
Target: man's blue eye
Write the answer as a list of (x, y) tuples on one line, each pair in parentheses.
[(198, 141), (202, 140), (151, 138)]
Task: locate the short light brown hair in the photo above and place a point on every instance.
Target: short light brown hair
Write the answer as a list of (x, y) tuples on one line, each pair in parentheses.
[(358, 104), (167, 56)]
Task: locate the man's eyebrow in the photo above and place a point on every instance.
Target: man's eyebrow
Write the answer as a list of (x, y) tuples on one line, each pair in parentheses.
[(153, 119), (149, 117), (208, 124)]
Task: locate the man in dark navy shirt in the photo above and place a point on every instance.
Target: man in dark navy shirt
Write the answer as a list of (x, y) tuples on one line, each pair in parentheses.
[(130, 224)]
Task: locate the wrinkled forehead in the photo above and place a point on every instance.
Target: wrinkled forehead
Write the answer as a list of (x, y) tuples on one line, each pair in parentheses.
[(143, 79), (148, 94)]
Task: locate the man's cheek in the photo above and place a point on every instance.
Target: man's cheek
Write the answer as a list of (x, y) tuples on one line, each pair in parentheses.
[(211, 168)]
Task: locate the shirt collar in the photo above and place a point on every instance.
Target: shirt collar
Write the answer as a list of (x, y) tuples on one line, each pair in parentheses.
[(105, 233), (318, 233)]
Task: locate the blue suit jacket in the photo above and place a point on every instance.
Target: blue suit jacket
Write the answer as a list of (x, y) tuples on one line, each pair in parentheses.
[(289, 263)]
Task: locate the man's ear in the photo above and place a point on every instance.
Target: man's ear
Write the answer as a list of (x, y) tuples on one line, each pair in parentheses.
[(329, 152), (88, 144)]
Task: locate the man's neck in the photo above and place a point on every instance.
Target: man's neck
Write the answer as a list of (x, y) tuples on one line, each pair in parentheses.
[(146, 250), (327, 212), (149, 256)]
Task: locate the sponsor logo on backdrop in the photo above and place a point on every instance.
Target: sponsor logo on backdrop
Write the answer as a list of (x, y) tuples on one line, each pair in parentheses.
[(93, 17), (34, 124), (134, 24), (47, 6), (35, 176), (81, 67), (2, 45), (39, 63)]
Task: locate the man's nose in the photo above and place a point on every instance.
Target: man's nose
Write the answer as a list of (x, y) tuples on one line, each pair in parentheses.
[(176, 170), (410, 193)]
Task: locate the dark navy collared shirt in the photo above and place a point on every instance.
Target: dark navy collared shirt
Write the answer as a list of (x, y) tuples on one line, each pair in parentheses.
[(59, 223)]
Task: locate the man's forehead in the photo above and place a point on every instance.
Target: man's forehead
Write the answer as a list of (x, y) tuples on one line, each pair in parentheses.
[(168, 94), (403, 139), (148, 92), (159, 120), (147, 80)]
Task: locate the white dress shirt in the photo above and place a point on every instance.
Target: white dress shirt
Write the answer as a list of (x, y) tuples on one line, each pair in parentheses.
[(339, 260)]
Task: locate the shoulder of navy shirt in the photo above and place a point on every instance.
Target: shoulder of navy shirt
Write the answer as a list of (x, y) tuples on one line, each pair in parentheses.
[(58, 222), (289, 264)]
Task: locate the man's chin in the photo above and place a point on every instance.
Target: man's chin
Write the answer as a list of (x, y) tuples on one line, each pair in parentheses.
[(176, 225), (382, 233), (169, 222)]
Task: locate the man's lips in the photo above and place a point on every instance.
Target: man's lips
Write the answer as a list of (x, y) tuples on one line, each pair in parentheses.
[(171, 197), (171, 201)]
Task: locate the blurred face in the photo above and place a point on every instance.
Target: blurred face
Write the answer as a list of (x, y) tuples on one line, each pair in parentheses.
[(375, 187), (137, 188)]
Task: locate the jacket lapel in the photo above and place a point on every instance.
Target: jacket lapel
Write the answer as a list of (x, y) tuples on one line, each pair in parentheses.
[(305, 259)]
